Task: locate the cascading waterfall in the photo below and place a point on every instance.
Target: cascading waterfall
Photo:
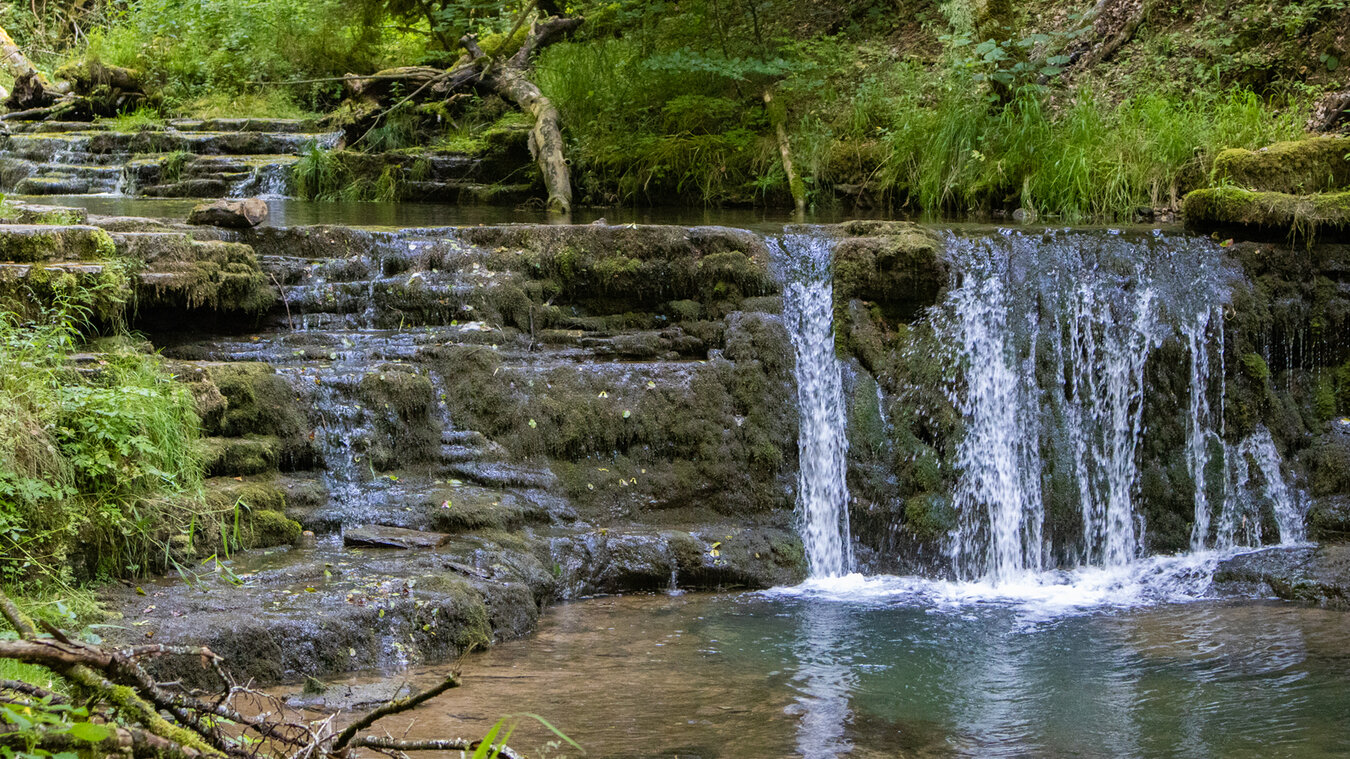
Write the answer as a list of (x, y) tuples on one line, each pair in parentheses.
[(822, 442), (1050, 338)]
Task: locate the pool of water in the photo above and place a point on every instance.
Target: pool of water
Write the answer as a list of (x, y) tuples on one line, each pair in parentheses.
[(912, 671)]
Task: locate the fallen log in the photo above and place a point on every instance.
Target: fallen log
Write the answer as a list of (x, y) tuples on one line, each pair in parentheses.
[(508, 78), (31, 89)]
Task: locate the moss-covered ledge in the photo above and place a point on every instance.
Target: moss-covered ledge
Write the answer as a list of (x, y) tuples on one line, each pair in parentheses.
[(1254, 214), (1302, 166)]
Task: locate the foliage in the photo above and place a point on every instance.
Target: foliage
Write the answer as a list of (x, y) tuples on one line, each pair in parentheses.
[(319, 175), (98, 468), (195, 48)]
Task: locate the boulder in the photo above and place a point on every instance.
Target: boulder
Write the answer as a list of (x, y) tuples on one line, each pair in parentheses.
[(234, 214)]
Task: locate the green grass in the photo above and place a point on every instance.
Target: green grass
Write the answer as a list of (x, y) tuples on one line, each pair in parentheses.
[(319, 175), (140, 120), (275, 103)]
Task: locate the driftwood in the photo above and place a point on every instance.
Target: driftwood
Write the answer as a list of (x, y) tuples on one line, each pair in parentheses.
[(145, 719), (508, 78)]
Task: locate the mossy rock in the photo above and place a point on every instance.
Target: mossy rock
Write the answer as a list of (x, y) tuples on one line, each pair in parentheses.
[(1273, 214), (400, 400), (1329, 466), (266, 528), (224, 493), (1329, 519), (639, 268), (1297, 167), (930, 516), (894, 264), (258, 402), (208, 275), (232, 456), (31, 243), (25, 213), (103, 288)]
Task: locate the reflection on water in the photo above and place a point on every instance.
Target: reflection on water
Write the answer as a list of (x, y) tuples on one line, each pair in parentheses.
[(825, 679), (285, 212), (757, 675)]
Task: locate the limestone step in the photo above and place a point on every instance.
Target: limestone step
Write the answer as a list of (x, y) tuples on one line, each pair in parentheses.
[(381, 536)]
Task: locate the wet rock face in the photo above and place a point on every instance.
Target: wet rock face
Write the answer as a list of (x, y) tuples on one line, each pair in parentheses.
[(1317, 574), (537, 413)]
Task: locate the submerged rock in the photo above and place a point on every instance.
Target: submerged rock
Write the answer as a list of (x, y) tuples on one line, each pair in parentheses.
[(381, 536), (235, 214)]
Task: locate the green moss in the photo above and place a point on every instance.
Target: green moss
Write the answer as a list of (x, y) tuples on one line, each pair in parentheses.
[(400, 401), (215, 276), (265, 528), (254, 454), (1255, 367), (222, 493), (1301, 216), (257, 402), (929, 516), (104, 289), (894, 264), (36, 243), (1296, 167), (1329, 466)]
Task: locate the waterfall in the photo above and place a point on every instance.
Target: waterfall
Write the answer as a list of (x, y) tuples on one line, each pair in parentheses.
[(822, 443), (998, 495), (1050, 338)]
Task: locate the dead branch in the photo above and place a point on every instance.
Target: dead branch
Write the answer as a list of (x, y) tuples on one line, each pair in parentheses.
[(450, 744), (194, 726), (391, 708)]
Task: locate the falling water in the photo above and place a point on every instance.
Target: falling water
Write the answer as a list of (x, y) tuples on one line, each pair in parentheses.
[(822, 445), (1247, 499), (1050, 336), (1200, 431), (998, 495)]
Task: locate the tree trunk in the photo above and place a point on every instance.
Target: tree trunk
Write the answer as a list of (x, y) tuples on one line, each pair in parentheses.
[(31, 88), (1114, 25), (512, 82), (795, 184), (508, 78)]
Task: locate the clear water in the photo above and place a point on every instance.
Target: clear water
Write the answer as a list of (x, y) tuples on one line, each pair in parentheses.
[(932, 671)]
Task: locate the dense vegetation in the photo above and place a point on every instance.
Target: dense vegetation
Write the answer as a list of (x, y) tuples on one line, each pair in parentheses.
[(916, 104)]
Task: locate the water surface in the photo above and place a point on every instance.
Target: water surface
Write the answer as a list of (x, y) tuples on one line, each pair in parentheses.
[(777, 675)]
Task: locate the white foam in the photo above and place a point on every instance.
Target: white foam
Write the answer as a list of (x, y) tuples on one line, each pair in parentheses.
[(1155, 580)]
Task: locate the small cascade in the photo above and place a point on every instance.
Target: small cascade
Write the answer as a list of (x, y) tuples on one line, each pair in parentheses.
[(268, 180), (1200, 432), (1050, 340), (822, 442), (1248, 498)]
